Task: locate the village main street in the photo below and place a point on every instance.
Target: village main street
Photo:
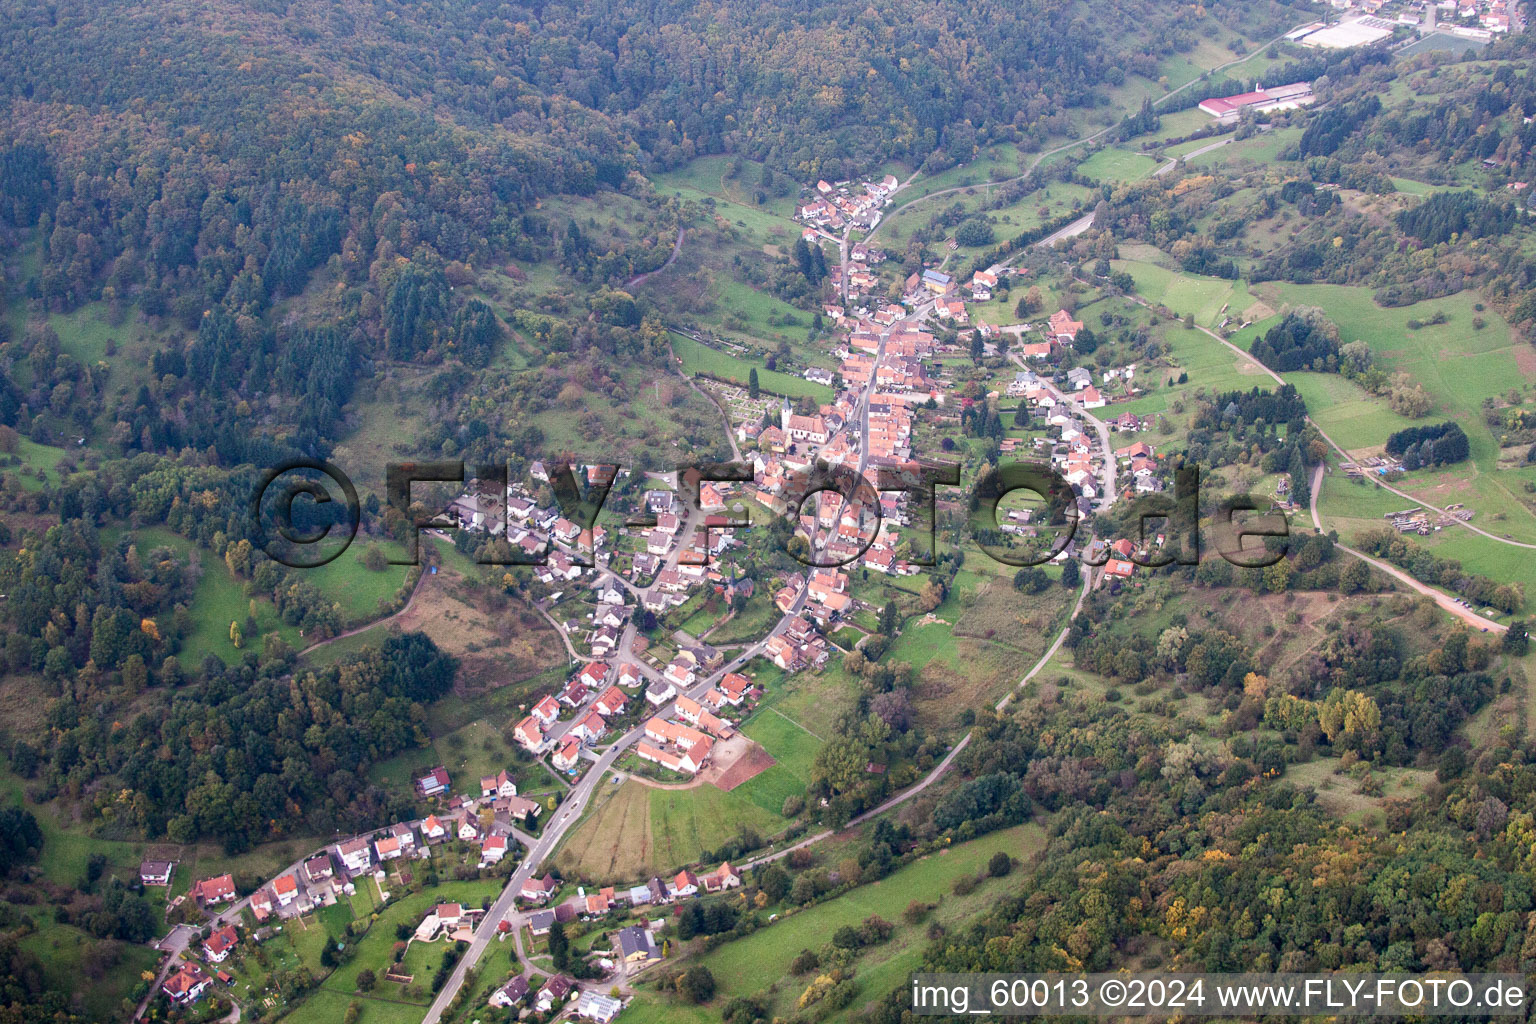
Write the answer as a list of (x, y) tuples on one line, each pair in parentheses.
[(575, 802), (574, 805)]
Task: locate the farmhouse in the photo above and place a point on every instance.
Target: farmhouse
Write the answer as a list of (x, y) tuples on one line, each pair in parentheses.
[(598, 1007), (610, 702), (589, 728), (539, 889), (318, 869), (1063, 328), (286, 889), (547, 710), (566, 757), (722, 878), (493, 849), (637, 946), (356, 856), (500, 784), (529, 734), (186, 984), (513, 991)]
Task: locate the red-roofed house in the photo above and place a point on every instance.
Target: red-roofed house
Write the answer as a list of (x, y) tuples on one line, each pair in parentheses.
[(566, 757), (735, 687), (186, 984), (286, 888), (610, 702), (1063, 328), (217, 946), (214, 890), (547, 710), (723, 877), (589, 727), (529, 734)]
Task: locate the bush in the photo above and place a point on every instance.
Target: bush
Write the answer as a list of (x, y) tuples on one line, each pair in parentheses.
[(916, 912), (697, 984), (1000, 864)]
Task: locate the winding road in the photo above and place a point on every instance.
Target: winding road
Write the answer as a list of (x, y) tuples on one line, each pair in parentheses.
[(1066, 146)]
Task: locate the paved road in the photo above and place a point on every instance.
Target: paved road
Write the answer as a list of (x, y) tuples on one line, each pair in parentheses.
[(1070, 145), (1445, 601), (1346, 456), (1110, 478)]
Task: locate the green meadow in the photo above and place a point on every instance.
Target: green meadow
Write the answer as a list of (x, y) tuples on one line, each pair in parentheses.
[(747, 966), (699, 358), (1205, 297)]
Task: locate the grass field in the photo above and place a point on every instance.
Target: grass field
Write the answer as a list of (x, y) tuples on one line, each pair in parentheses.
[(62, 949), (1113, 164), (1346, 412), (791, 744), (634, 831), (1460, 366), (711, 176), (36, 464), (1205, 297), (746, 966), (1211, 367), (218, 600), (698, 358), (1263, 148)]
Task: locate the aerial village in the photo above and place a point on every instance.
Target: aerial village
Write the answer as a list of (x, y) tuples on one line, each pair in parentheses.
[(641, 700)]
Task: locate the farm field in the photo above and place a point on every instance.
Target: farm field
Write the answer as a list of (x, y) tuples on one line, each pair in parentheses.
[(745, 966), (633, 831)]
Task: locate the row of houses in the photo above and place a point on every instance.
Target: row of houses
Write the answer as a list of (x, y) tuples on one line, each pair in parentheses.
[(835, 206)]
